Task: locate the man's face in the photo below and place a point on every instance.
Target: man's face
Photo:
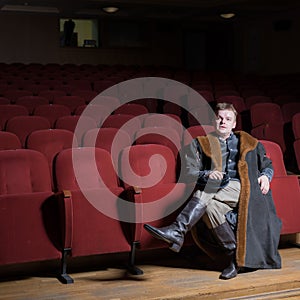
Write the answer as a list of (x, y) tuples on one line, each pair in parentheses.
[(225, 122)]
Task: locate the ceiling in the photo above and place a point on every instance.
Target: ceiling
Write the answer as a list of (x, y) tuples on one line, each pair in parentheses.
[(147, 9)]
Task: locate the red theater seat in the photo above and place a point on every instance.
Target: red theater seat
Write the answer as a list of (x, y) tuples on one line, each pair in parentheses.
[(296, 126), (13, 95), (164, 120), (192, 132), (96, 111), (72, 124), (4, 101), (297, 152), (50, 142), (52, 94), (31, 102), (131, 109), (88, 174), (285, 190), (9, 111), (22, 126), (52, 112), (113, 140), (87, 95), (9, 141), (251, 100), (159, 135), (267, 123), (30, 227), (149, 174), (296, 133), (129, 123), (70, 101)]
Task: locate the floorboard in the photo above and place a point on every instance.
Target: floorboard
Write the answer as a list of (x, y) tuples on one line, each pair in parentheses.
[(169, 277)]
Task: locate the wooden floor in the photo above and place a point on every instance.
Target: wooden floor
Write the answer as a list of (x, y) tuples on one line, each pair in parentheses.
[(166, 276)]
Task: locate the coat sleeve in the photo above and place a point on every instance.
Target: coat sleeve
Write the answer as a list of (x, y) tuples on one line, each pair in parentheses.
[(193, 164), (265, 166)]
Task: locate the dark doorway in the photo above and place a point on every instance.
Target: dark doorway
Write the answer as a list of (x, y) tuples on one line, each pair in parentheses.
[(209, 50)]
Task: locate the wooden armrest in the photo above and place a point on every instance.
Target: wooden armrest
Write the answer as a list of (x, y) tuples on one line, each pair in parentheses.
[(137, 189), (66, 213), (67, 193)]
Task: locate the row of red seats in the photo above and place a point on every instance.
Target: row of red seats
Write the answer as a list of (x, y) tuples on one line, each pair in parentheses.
[(60, 116), (82, 219), (71, 86), (216, 78), (254, 119), (134, 90), (190, 102), (87, 209), (274, 123), (274, 126), (279, 89), (24, 132)]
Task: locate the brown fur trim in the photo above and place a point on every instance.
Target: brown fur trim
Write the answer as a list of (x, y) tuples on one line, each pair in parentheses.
[(247, 143), (211, 148)]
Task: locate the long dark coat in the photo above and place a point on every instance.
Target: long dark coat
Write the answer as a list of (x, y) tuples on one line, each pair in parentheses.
[(258, 227)]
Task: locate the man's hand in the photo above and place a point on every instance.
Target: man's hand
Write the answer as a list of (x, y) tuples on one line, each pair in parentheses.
[(264, 183), (215, 174)]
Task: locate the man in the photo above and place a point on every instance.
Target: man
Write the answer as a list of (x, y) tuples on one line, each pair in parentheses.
[(232, 173), (68, 31)]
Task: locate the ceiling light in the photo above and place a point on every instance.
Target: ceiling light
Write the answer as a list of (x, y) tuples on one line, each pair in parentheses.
[(110, 9), (227, 15)]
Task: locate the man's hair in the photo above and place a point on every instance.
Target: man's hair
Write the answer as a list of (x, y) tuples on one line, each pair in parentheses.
[(227, 106)]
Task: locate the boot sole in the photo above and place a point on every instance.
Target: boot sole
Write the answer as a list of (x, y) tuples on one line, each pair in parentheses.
[(174, 247)]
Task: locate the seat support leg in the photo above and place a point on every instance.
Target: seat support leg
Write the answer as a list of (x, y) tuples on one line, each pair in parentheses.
[(132, 268), (63, 276)]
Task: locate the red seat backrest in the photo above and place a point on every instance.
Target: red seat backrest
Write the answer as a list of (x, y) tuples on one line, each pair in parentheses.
[(92, 166), (8, 111), (274, 152), (164, 120), (9, 141), (263, 113), (289, 110), (52, 112), (77, 124), (23, 171), (22, 126), (147, 165), (31, 102), (14, 94), (96, 111), (50, 142), (132, 109), (129, 123), (296, 125), (159, 135), (70, 101), (105, 137), (192, 132)]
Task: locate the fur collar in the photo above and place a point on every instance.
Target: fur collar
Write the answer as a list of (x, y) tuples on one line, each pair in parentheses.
[(211, 146)]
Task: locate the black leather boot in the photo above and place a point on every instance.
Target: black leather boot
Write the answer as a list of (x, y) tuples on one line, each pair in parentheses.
[(174, 233), (230, 271), (226, 239)]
